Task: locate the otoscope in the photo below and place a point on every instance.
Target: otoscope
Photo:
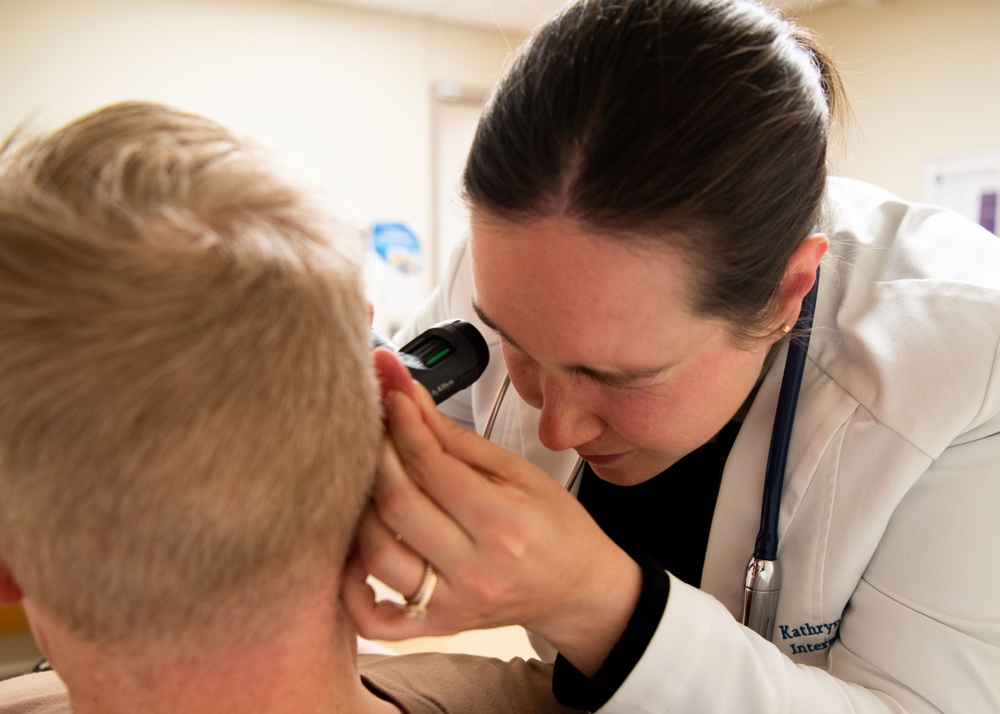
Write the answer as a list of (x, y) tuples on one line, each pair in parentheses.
[(446, 358)]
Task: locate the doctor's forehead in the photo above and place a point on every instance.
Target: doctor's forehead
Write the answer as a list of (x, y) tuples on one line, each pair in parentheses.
[(555, 261)]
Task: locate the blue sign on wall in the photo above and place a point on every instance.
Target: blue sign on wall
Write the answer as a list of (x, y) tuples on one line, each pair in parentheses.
[(397, 245)]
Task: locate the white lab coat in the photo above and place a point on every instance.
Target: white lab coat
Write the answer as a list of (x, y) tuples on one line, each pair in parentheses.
[(890, 514)]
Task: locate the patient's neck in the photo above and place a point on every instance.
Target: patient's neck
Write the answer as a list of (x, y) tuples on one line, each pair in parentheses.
[(310, 665)]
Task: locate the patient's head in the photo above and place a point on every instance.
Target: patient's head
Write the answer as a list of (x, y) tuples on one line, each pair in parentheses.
[(188, 417)]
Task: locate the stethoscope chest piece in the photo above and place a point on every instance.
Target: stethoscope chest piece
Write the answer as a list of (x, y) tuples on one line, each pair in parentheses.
[(760, 595)]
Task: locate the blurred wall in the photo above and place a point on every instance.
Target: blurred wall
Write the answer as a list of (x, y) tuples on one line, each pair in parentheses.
[(923, 82), (344, 95)]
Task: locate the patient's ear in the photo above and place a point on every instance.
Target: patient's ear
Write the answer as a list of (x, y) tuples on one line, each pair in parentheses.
[(392, 374), (10, 592)]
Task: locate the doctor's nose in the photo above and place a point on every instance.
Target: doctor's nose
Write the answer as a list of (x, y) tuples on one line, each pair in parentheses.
[(566, 420)]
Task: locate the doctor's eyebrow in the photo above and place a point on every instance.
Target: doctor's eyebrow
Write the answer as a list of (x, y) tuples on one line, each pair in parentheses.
[(492, 325), (621, 378)]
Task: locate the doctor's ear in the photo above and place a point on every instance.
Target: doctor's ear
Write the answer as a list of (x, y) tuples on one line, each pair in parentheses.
[(10, 591), (800, 274)]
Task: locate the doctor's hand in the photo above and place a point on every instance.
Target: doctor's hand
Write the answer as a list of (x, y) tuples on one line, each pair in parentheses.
[(509, 544)]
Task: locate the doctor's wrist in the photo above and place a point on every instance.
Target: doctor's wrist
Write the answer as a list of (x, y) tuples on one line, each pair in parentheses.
[(575, 689), (586, 625)]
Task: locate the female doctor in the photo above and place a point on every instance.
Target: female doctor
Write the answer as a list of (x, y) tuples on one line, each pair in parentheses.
[(649, 213)]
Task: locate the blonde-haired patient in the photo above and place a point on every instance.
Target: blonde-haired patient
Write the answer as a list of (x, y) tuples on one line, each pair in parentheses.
[(189, 427)]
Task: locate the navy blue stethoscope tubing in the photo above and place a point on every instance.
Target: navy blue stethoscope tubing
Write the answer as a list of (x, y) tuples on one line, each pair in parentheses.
[(766, 546)]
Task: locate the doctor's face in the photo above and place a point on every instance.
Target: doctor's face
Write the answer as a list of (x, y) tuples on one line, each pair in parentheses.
[(598, 334)]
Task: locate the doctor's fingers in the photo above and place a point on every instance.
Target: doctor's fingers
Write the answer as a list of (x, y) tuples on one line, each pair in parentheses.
[(381, 619), (387, 557), (469, 447), (471, 478), (380, 554), (410, 515)]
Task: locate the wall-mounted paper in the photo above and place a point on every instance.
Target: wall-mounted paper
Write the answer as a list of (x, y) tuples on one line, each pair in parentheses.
[(968, 184)]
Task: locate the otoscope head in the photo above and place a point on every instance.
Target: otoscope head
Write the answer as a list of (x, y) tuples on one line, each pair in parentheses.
[(446, 358)]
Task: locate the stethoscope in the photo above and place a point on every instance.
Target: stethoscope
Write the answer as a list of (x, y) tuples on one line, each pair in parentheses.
[(762, 579)]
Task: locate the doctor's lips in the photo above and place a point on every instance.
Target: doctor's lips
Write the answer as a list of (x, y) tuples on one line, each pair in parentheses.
[(600, 459)]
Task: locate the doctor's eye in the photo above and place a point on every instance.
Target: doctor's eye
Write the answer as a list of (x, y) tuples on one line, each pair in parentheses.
[(626, 383)]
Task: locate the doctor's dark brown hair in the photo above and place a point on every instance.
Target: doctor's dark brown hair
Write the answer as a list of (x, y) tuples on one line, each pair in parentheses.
[(701, 123)]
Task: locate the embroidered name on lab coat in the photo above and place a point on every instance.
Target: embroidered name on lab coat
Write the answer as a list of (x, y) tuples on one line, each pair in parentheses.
[(829, 629)]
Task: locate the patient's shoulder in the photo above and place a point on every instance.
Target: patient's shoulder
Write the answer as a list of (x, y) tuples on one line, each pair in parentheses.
[(436, 682), (38, 693)]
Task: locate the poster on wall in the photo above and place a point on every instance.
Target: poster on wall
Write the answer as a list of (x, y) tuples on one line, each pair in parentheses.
[(968, 184), (398, 246)]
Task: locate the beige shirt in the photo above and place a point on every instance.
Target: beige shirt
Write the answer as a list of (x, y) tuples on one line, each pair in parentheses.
[(433, 682)]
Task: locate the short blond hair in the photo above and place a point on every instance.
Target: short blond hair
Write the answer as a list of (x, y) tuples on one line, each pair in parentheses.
[(188, 415)]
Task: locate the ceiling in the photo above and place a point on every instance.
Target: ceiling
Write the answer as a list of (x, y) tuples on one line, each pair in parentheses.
[(516, 15)]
